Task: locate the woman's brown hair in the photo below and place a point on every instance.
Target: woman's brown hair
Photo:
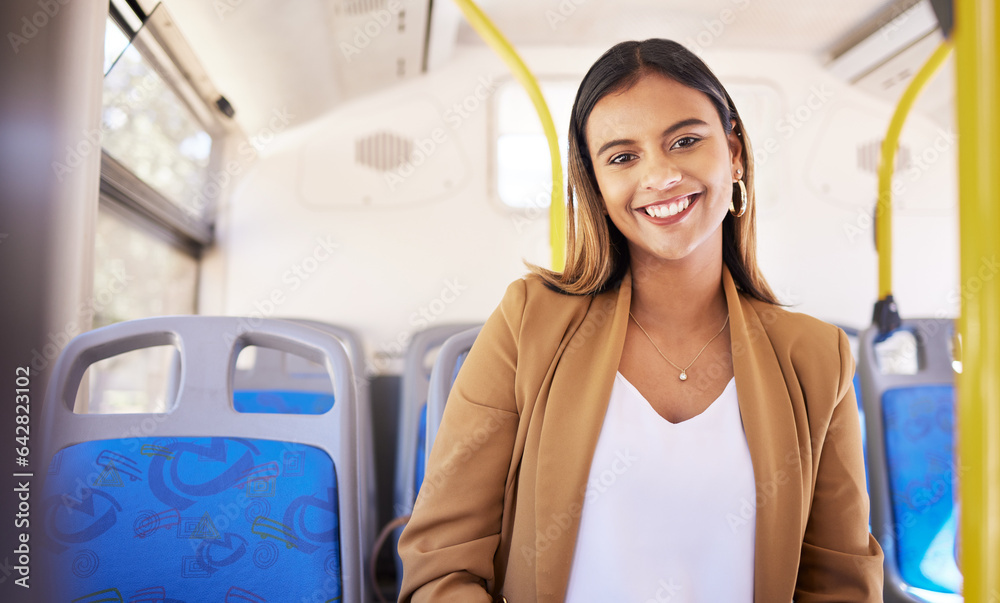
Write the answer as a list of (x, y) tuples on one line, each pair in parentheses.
[(597, 254)]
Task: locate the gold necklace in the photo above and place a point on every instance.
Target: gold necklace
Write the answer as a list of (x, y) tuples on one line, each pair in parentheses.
[(683, 376)]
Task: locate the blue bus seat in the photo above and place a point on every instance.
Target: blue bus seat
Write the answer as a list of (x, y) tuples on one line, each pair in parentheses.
[(279, 382), (411, 436), (852, 337), (456, 342), (202, 502), (446, 367), (913, 476), (417, 368), (864, 439)]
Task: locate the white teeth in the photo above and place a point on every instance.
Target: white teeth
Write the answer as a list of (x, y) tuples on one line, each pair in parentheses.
[(663, 211)]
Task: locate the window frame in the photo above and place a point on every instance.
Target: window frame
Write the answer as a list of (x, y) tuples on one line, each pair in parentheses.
[(129, 198), (167, 53)]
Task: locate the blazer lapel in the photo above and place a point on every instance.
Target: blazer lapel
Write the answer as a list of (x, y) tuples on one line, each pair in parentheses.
[(574, 415), (769, 424)]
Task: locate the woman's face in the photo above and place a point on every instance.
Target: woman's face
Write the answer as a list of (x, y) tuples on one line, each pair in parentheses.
[(665, 168)]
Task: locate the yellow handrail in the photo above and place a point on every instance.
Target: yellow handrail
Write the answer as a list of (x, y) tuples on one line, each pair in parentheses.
[(496, 40), (883, 210), (977, 66)]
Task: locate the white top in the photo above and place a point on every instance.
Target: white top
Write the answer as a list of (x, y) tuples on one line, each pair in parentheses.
[(670, 508)]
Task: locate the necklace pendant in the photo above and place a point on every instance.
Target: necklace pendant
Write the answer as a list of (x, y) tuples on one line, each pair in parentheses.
[(683, 376)]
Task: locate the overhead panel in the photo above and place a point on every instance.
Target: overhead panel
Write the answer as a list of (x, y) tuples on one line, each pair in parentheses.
[(401, 153), (885, 60), (378, 42)]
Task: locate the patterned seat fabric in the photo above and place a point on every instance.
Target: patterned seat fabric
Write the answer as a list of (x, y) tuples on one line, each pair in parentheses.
[(171, 520), (287, 402), (919, 446)]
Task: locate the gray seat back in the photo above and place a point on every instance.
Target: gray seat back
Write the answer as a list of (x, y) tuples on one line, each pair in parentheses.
[(207, 348)]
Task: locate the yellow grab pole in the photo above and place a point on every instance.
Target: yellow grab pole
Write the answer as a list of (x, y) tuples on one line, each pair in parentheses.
[(496, 40), (890, 145), (977, 54)]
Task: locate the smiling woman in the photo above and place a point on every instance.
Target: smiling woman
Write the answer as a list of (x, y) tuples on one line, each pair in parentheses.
[(626, 101), (723, 446)]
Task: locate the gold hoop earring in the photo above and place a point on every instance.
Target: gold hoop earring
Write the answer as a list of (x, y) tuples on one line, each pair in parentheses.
[(743, 200)]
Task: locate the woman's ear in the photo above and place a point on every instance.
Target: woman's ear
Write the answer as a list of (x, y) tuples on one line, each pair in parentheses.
[(735, 139)]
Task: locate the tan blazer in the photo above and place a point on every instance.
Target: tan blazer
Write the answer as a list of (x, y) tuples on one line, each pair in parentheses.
[(500, 505)]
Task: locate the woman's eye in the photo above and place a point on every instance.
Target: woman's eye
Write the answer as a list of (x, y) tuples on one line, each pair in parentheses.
[(685, 142), (622, 158)]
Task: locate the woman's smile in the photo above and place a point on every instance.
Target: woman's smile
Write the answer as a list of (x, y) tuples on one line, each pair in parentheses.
[(670, 211)]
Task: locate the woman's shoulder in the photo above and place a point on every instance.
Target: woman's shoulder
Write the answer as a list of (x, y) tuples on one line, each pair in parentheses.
[(801, 337), (532, 290), (534, 303)]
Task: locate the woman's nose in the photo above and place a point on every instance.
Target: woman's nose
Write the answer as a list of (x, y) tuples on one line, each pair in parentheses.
[(660, 173)]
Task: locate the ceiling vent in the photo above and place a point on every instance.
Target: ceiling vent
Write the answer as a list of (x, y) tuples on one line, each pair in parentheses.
[(357, 8), (869, 153), (383, 151)]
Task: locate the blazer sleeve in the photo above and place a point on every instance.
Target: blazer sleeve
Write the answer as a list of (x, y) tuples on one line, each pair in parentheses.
[(448, 546), (841, 561)]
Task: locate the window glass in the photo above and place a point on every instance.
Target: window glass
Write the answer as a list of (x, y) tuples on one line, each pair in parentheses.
[(139, 274), (115, 42), (142, 381), (150, 130), (523, 167)]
